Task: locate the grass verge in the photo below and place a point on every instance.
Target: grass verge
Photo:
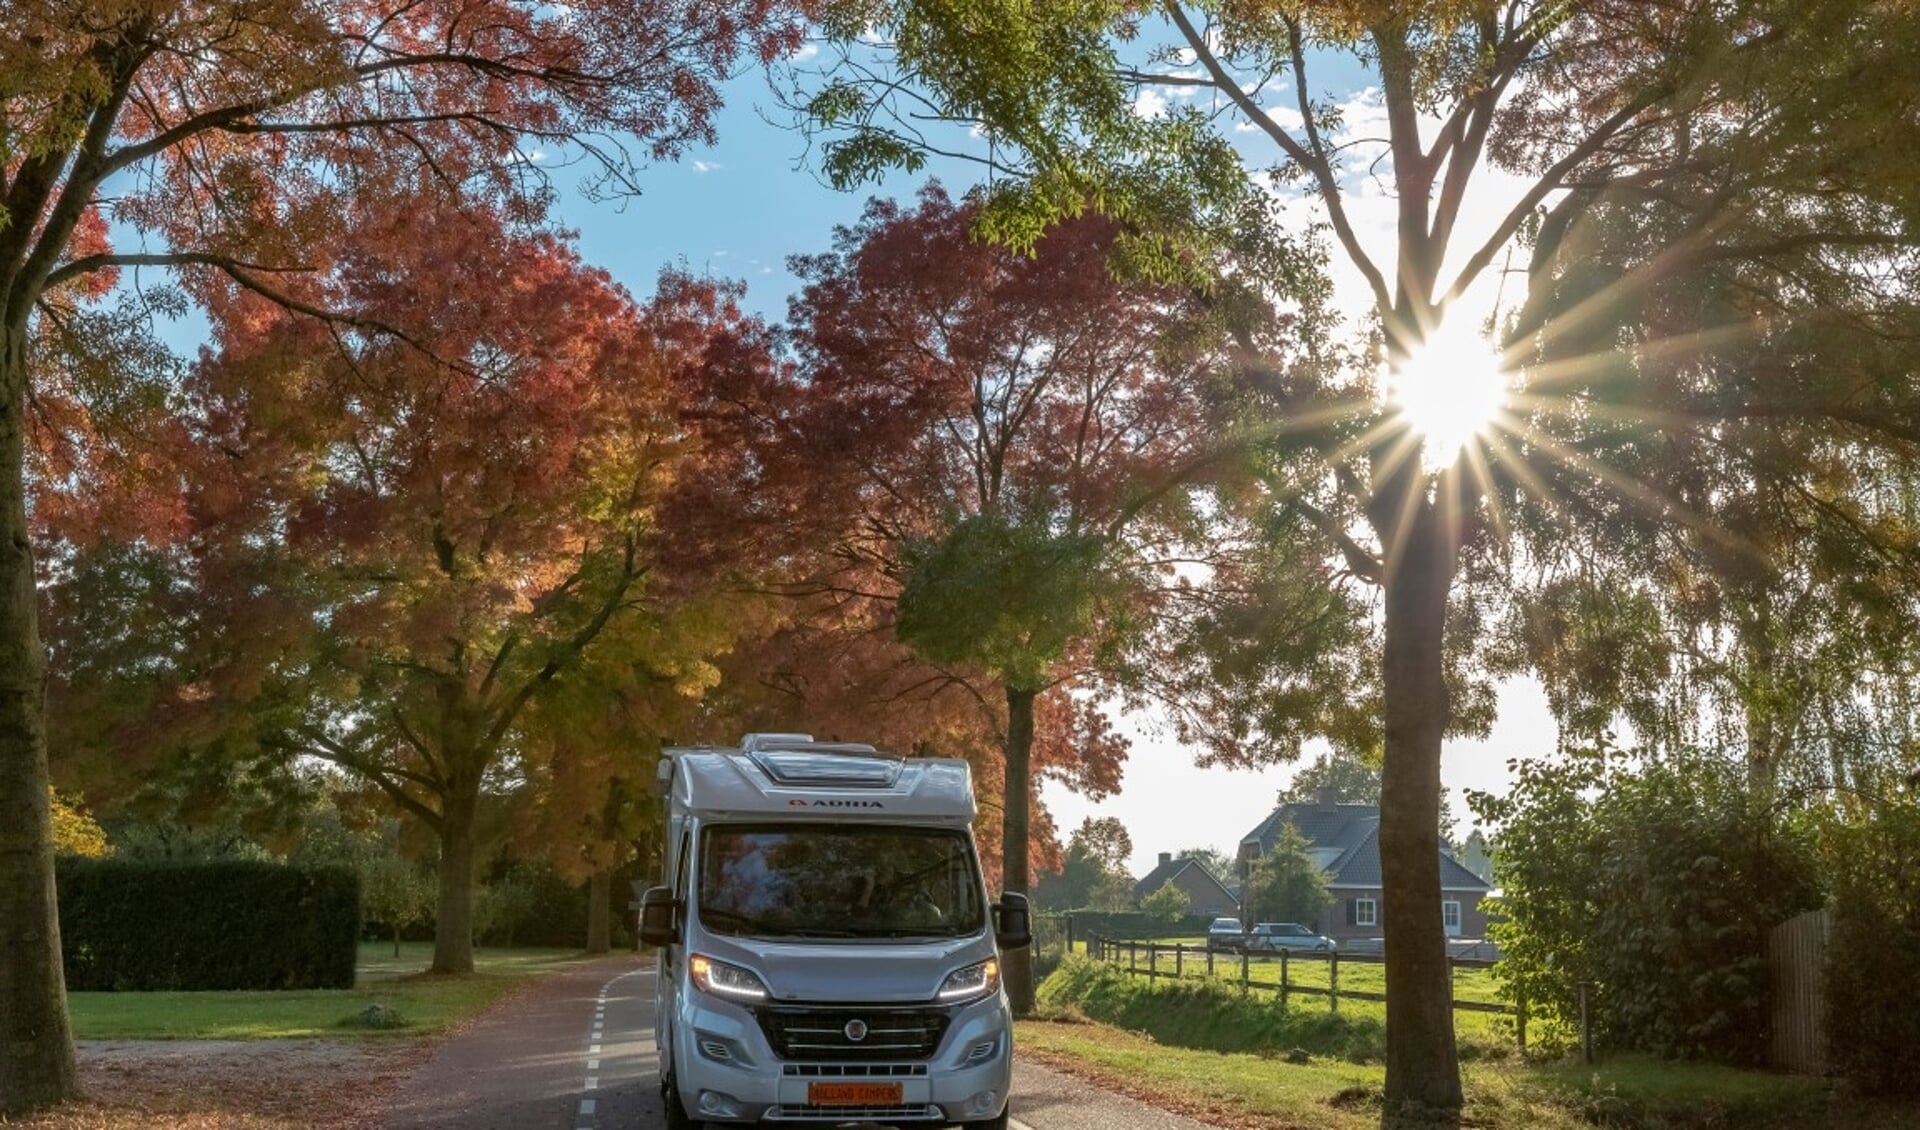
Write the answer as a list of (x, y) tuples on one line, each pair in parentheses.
[(1215, 1015), (423, 1003), (1190, 1047)]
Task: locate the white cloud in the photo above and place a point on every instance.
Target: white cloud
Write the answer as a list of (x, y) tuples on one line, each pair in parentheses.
[(1149, 103), (707, 166), (807, 51)]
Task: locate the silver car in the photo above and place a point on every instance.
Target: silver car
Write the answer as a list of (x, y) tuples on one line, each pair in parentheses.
[(1272, 937)]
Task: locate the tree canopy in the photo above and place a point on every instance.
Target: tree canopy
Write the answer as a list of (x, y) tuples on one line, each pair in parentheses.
[(234, 142), (1695, 195)]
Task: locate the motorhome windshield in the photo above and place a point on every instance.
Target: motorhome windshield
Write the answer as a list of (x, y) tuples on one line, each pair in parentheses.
[(819, 881)]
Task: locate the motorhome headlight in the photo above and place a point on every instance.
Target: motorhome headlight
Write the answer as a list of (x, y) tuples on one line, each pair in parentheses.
[(722, 980), (971, 983)]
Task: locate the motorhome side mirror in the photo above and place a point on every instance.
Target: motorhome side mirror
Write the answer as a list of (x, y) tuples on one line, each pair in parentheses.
[(1012, 922), (658, 913)]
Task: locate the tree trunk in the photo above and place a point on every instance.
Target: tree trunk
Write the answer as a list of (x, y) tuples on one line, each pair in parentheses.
[(1423, 1072), (453, 916), (36, 1044), (599, 922), (1017, 819)]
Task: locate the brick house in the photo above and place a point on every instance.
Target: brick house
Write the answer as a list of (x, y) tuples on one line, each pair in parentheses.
[(1344, 840), (1206, 894)]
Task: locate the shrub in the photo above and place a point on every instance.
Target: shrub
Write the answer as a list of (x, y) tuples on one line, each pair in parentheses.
[(1873, 952), (1129, 924), (1655, 881), (207, 926)]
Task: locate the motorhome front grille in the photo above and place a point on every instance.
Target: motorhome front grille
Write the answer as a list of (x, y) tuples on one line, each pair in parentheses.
[(801, 1112), (828, 1033), (855, 1070)]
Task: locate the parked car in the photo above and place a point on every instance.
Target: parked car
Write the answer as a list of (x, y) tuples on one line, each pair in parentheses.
[(1226, 934), (1272, 937)]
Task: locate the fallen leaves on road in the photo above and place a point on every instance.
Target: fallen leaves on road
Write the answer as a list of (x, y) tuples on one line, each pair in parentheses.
[(231, 1085)]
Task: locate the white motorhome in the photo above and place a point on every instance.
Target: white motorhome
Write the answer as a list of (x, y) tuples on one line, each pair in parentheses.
[(828, 953)]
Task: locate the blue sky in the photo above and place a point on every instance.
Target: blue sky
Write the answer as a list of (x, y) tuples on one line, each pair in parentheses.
[(738, 209)]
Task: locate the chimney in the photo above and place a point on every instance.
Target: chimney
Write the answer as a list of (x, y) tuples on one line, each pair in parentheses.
[(1166, 857), (1328, 797)]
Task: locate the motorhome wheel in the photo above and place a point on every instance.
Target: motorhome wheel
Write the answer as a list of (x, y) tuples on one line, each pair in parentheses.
[(676, 1110)]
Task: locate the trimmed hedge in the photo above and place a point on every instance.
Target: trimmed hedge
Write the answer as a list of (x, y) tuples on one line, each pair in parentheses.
[(1134, 925), (130, 927)]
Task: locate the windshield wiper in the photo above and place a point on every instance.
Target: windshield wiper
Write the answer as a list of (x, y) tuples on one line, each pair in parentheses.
[(743, 923), (907, 932)]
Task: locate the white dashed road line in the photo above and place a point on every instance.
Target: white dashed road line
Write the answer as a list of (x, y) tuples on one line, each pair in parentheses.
[(595, 1038)]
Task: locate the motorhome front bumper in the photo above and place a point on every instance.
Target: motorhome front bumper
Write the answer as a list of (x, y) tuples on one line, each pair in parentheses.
[(911, 1064)]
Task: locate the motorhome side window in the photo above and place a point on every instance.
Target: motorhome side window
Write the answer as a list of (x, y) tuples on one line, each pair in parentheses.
[(680, 867), (824, 881)]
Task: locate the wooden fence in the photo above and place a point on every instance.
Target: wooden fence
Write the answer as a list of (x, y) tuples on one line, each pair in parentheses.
[(1178, 961), (1796, 954)]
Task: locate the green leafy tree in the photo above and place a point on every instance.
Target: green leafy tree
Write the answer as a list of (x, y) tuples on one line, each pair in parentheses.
[(395, 892), (1873, 952), (1285, 884), (1352, 779), (1167, 903), (1218, 863), (1096, 856), (507, 903), (1702, 197)]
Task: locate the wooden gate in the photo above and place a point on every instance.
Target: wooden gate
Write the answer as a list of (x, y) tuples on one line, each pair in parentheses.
[(1796, 956)]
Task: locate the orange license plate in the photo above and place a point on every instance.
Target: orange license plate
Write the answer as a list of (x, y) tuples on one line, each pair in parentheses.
[(853, 1094)]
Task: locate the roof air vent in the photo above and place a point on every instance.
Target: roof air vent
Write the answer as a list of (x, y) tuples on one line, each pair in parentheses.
[(861, 768)]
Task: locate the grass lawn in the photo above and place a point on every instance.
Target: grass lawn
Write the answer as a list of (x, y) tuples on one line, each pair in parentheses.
[(424, 1003), (1627, 1092)]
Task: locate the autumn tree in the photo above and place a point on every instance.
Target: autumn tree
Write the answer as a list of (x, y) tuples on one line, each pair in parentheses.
[(397, 559), (1710, 247), (1009, 429), (233, 137), (75, 832)]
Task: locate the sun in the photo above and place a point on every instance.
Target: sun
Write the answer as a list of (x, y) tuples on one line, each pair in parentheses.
[(1451, 390)]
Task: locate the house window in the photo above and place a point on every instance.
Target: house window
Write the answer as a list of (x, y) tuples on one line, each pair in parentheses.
[(1450, 915), (1366, 912)]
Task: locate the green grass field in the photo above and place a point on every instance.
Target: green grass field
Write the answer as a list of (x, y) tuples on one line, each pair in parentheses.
[(424, 1003)]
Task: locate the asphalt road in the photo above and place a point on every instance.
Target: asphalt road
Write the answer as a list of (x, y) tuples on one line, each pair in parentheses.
[(575, 1052)]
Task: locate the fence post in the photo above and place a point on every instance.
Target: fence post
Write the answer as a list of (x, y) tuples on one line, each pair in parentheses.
[(1069, 935), (1520, 1018), (1333, 980), (1286, 982), (1153, 961), (1133, 956), (1179, 958), (1243, 970)]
